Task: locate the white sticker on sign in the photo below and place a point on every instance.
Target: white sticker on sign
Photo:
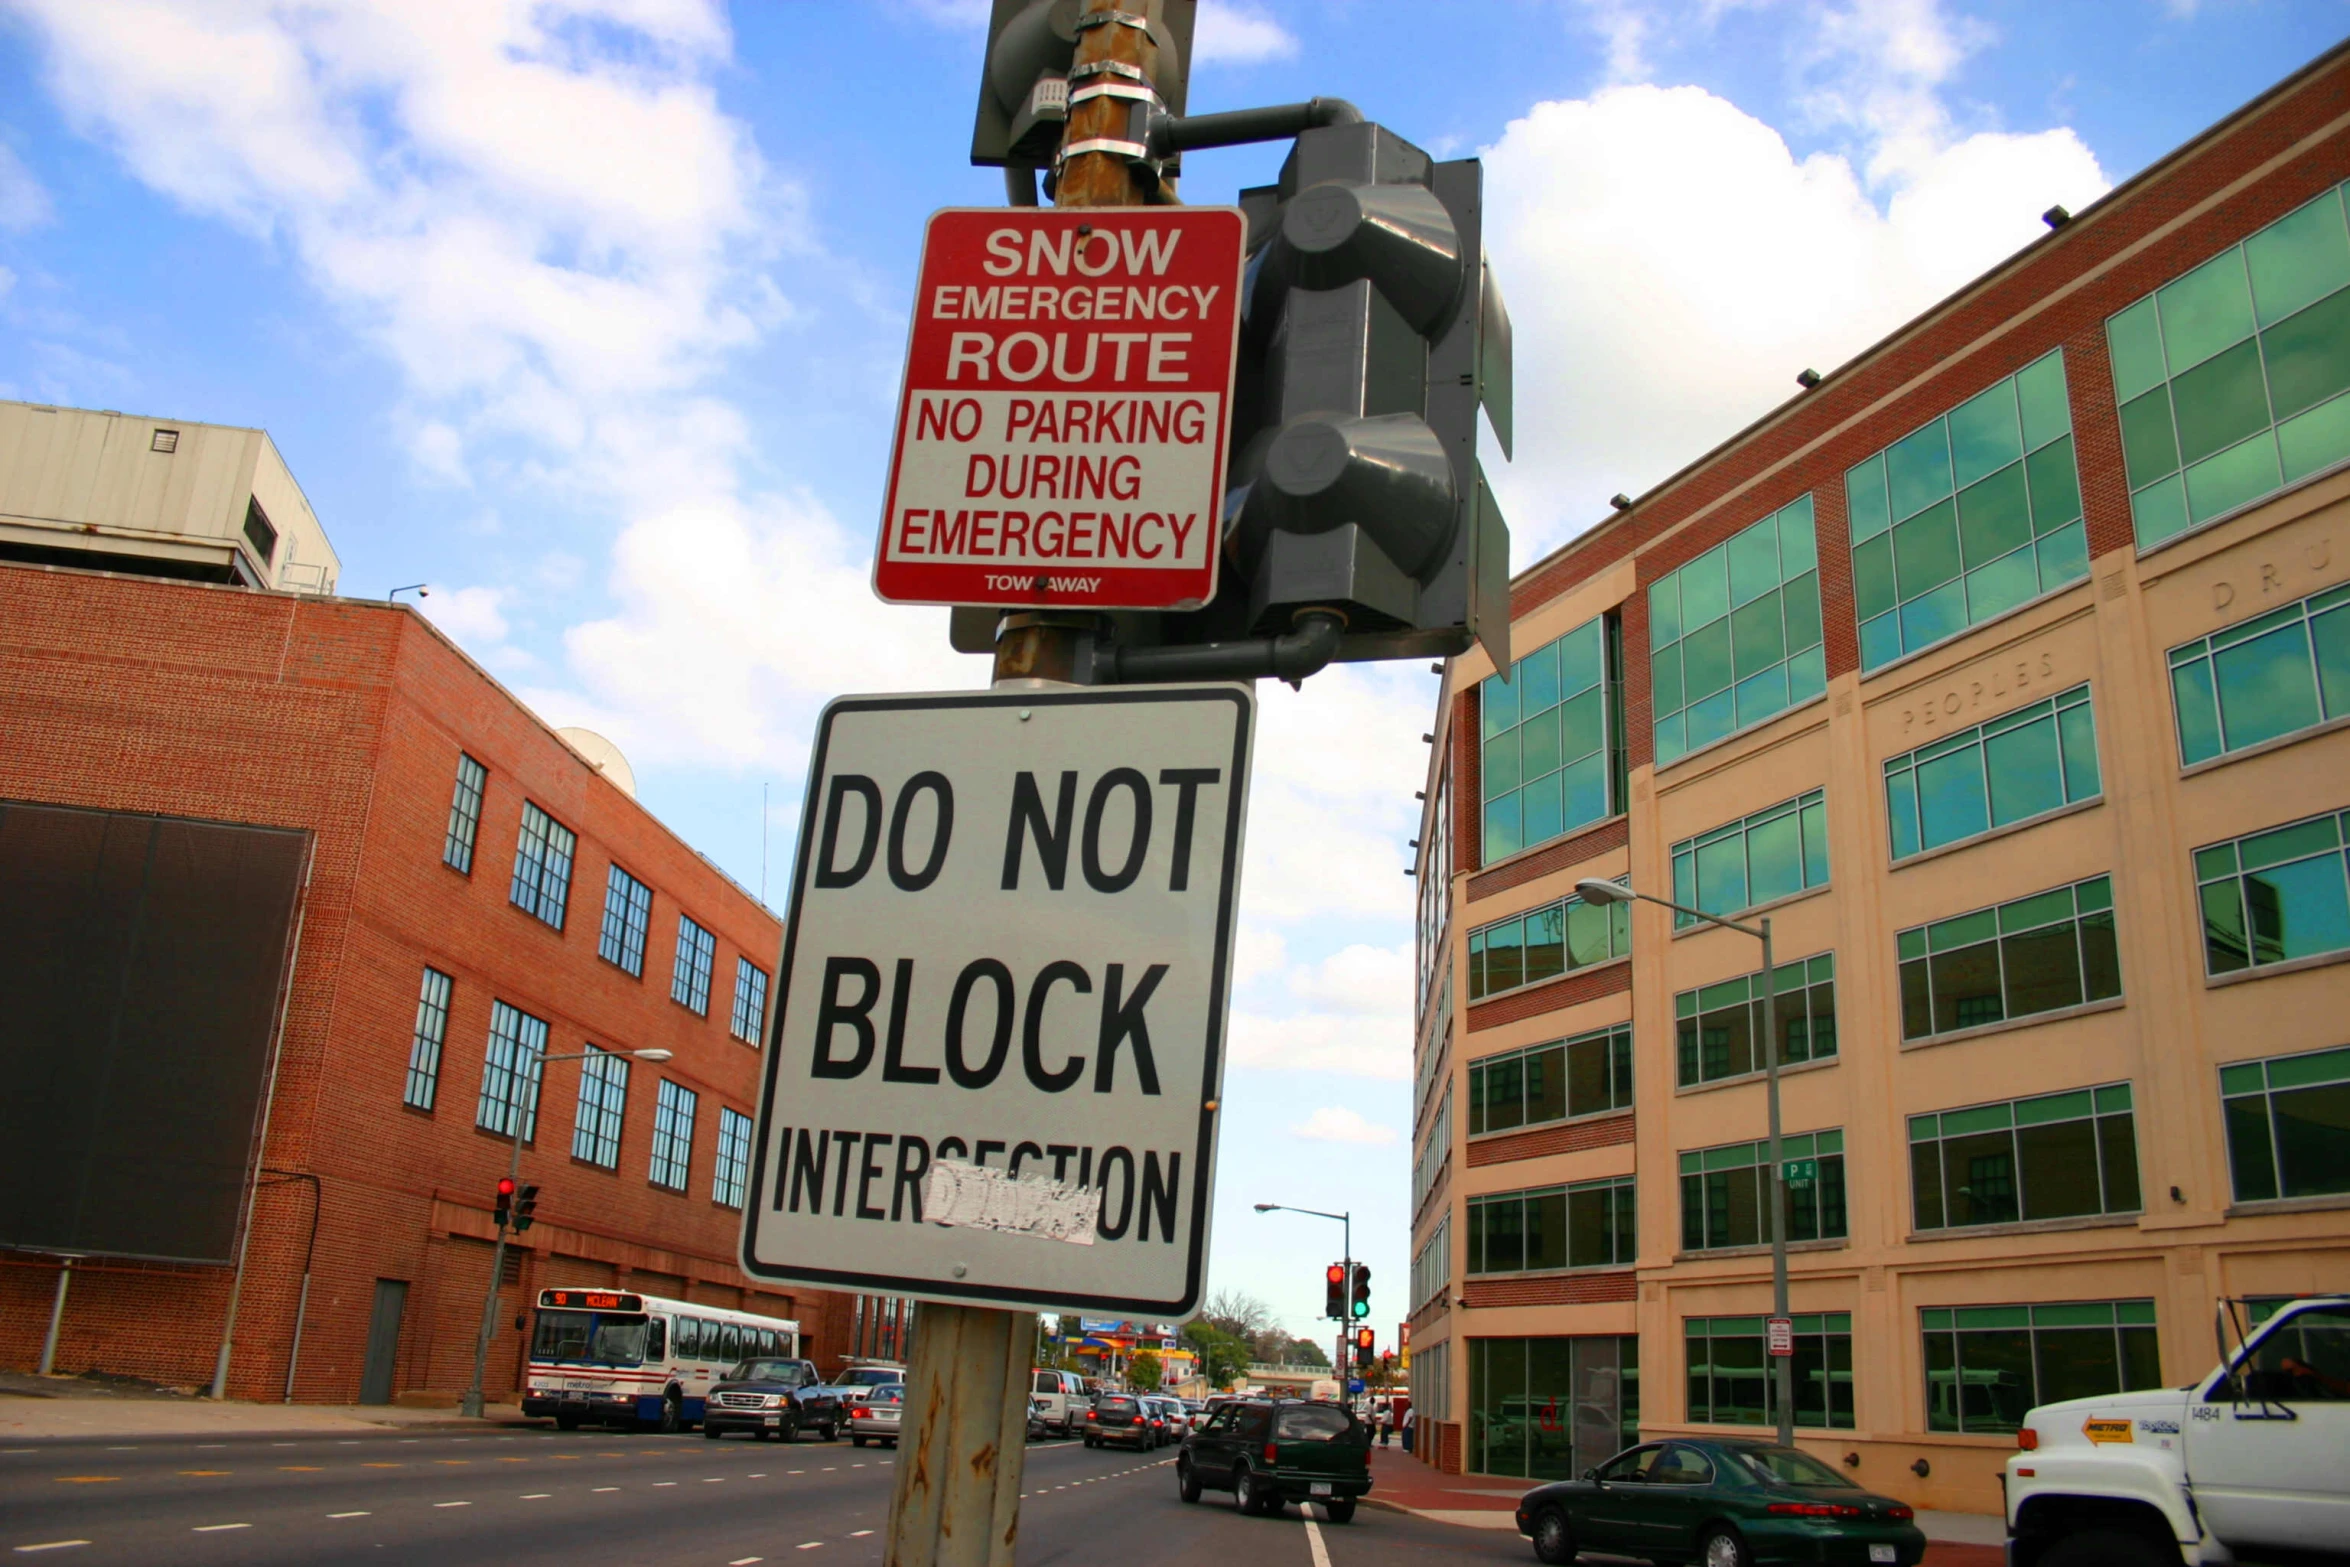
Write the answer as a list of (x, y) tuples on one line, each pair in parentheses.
[(1001, 1001)]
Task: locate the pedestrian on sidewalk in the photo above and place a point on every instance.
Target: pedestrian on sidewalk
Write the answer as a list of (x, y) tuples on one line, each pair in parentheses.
[(1386, 1423), (1409, 1413)]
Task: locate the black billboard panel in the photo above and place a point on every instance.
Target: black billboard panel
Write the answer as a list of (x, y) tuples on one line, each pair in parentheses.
[(141, 960)]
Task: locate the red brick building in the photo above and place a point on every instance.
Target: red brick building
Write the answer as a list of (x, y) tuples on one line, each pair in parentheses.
[(420, 955)]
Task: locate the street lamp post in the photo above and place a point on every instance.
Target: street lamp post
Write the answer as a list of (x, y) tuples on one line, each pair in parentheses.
[(1347, 1244), (1597, 890), (470, 1407)]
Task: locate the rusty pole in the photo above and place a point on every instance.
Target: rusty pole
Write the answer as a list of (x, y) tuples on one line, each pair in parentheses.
[(1040, 644)]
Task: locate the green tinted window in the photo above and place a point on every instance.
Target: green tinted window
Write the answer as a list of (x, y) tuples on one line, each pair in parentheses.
[(2057, 1156), (1721, 1026), (1544, 943), (1756, 859), (1725, 1192), (2276, 674), (2038, 954), (1735, 634), (1520, 1392), (2014, 767), (1977, 513), (2235, 379), (1548, 735), (2288, 1125), (1590, 1074), (2275, 896), (1988, 1366), (1730, 1381), (1586, 1225)]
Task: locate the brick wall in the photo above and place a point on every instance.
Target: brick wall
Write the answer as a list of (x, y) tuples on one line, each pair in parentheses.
[(1570, 989), (1551, 1289), (347, 718), (1603, 1131)]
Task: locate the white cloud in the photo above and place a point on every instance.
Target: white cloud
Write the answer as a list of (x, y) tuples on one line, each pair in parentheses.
[(474, 617), (1233, 34), (24, 203), (1337, 1124), (1323, 1042), (1358, 980)]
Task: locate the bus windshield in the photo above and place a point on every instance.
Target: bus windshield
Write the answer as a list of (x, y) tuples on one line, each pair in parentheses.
[(605, 1337)]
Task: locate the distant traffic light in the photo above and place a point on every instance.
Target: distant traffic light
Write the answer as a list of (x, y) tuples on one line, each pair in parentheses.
[(1366, 1340), (1360, 1304), (1334, 1298), (526, 1207), (505, 1200)]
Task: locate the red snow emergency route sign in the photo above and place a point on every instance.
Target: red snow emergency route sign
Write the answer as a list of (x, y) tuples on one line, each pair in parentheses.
[(1061, 431)]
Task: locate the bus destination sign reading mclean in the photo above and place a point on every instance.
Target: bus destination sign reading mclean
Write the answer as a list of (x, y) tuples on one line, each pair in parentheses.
[(994, 1068), (1061, 425)]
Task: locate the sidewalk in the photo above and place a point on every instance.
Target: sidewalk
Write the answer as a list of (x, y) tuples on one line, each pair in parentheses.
[(34, 1408), (1401, 1483)]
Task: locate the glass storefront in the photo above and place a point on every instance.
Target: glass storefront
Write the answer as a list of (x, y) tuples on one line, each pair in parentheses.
[(1550, 1408)]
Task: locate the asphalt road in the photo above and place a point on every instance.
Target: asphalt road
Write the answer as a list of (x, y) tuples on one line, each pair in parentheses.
[(516, 1498)]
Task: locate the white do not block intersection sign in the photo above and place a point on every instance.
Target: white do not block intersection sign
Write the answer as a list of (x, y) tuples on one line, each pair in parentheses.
[(998, 1044), (1061, 427)]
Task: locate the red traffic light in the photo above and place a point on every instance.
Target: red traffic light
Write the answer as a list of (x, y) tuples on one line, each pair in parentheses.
[(1336, 1274), (1365, 1338), (505, 1185)]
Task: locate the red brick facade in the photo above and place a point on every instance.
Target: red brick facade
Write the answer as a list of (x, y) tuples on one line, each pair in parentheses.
[(1569, 989), (346, 719), (1600, 1131)]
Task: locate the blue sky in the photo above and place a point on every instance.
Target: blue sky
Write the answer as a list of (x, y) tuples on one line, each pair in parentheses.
[(589, 313)]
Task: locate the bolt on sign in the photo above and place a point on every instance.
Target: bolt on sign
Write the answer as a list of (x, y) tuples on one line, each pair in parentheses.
[(993, 1073), (1061, 427)]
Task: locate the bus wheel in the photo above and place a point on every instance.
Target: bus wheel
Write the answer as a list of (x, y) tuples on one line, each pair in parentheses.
[(672, 1414)]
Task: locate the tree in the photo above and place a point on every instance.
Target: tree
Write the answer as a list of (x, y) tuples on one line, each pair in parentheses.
[(1223, 1359), (1144, 1374), (1305, 1352), (1238, 1313)]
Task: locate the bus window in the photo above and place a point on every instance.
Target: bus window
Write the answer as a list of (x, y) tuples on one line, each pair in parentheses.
[(561, 1335), (689, 1338), (655, 1335), (766, 1341), (730, 1343)]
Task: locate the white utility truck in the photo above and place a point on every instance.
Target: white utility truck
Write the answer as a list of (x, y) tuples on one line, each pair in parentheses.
[(2250, 1464)]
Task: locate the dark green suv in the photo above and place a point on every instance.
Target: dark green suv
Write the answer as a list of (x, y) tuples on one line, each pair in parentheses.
[(1269, 1453)]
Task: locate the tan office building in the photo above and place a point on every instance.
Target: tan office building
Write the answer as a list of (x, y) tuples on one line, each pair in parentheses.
[(2006, 671)]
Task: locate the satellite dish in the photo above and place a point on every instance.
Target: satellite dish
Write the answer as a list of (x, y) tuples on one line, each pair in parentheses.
[(602, 755)]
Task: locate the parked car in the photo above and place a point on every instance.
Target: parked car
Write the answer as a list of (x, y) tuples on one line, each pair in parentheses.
[(1269, 1453), (1065, 1400), (1726, 1502), (1175, 1419), (1039, 1417), (767, 1398), (1120, 1419), (875, 1417)]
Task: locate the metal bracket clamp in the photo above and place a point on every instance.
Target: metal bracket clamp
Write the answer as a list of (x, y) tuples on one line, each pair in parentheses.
[(1132, 73), (1092, 19), (1141, 92), (1131, 151)]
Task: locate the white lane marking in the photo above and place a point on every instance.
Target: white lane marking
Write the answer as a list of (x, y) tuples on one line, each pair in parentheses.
[(50, 1545), (350, 1515), (1314, 1540), (285, 1444), (831, 1469), (607, 1488), (809, 1546), (110, 1450), (745, 1561), (452, 1504), (859, 1534), (536, 1496), (202, 1447), (714, 1480), (215, 1528), (35, 1450), (657, 1484), (797, 1471), (761, 1475)]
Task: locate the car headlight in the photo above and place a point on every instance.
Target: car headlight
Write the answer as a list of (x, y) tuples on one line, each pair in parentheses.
[(774, 1401)]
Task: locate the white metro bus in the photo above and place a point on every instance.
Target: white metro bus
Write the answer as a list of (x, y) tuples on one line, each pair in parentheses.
[(617, 1356)]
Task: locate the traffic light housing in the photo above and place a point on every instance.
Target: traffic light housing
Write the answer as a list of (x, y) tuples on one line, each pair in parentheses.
[(1359, 1303), (1366, 1340), (526, 1207), (1334, 1295), (1024, 84), (505, 1200)]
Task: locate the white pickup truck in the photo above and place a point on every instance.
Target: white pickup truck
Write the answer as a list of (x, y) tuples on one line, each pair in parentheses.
[(2251, 1463)]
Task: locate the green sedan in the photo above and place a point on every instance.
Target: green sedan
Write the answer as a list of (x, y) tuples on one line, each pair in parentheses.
[(1720, 1501)]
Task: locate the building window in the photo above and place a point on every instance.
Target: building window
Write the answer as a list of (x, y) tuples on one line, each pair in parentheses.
[(510, 1073), (1548, 742), (733, 1174), (750, 1001), (1434, 1151), (424, 1046), (689, 978), (1545, 943), (1587, 1075), (1736, 634), (628, 906), (1720, 1027), (1963, 520), (2019, 765), (1434, 875), (1726, 1192), (542, 866), (2263, 678), (1730, 1377), (2058, 1156), (673, 1135), (2038, 954), (1432, 1265), (2288, 1125), (1760, 858), (603, 1102), (2275, 896), (1586, 1225), (1550, 1408), (464, 814), (258, 531), (1989, 1366), (2229, 378)]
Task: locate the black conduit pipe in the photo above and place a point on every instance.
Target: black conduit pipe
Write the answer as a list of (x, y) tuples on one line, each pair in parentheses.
[(1291, 657)]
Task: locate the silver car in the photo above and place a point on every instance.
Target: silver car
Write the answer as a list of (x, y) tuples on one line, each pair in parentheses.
[(1177, 1417), (876, 1418)]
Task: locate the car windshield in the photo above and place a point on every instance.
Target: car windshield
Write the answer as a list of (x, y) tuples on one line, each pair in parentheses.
[(786, 1371), (1117, 1406), (598, 1336), (888, 1393), (1789, 1466), (1313, 1423)]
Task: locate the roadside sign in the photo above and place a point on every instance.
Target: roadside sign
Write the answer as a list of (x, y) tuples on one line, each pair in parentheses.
[(1780, 1333), (1062, 421), (1802, 1172), (997, 1047)]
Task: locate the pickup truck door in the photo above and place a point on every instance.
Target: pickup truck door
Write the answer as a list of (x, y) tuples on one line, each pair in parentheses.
[(2268, 1469)]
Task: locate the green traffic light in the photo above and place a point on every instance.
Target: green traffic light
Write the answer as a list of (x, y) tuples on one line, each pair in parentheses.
[(1362, 1308)]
